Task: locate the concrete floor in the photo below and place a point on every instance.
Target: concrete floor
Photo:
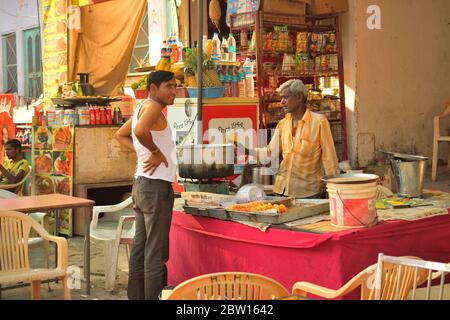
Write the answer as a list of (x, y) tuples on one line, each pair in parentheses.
[(97, 264)]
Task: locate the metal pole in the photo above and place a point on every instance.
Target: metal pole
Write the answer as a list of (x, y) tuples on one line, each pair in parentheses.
[(200, 72)]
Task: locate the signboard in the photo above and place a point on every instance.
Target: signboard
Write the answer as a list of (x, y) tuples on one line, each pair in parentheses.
[(7, 126), (53, 166), (55, 67)]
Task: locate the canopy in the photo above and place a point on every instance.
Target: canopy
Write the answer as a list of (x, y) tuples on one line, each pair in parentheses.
[(104, 44)]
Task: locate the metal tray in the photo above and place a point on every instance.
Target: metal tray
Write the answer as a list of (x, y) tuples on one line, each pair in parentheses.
[(314, 207), (221, 214), (215, 213), (195, 211)]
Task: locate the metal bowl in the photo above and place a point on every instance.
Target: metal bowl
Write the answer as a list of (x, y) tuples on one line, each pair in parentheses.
[(351, 178)]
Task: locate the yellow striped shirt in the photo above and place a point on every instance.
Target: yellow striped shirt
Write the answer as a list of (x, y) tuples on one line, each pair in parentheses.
[(304, 154)]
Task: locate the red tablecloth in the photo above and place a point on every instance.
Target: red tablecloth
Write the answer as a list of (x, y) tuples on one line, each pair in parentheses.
[(203, 245)]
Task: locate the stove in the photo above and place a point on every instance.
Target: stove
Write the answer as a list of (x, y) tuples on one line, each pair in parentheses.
[(206, 185)]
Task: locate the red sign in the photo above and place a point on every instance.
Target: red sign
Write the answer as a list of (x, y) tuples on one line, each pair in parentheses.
[(7, 127)]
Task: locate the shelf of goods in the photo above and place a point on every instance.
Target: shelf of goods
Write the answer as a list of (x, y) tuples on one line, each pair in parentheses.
[(286, 47)]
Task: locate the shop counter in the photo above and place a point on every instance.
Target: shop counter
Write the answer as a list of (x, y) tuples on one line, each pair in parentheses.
[(200, 245)]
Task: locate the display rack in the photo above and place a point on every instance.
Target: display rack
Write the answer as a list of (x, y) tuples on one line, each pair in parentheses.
[(273, 67)]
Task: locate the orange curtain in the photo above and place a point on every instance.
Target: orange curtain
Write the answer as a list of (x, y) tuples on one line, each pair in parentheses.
[(104, 44)]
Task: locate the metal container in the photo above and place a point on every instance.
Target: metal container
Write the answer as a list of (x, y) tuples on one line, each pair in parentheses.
[(409, 172), (262, 175), (205, 161)]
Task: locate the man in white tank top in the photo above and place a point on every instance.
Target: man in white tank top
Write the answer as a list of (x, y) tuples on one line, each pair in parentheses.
[(149, 135)]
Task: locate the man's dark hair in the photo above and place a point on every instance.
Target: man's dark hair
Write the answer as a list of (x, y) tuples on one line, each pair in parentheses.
[(158, 77), (14, 143)]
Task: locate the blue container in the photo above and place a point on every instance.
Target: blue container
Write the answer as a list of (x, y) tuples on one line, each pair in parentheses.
[(208, 93)]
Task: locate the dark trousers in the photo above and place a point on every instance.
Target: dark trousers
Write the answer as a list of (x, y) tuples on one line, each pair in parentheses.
[(153, 205)]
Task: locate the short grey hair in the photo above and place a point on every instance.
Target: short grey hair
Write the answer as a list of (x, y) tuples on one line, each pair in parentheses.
[(294, 87)]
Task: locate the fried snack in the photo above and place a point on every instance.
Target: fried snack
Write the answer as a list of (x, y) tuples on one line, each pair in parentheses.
[(259, 207)]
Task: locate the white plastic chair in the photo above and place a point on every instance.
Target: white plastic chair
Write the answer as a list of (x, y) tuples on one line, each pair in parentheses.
[(42, 218), (116, 227), (408, 270)]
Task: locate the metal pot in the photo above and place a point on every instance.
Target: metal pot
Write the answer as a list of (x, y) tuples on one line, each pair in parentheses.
[(205, 161), (262, 175)]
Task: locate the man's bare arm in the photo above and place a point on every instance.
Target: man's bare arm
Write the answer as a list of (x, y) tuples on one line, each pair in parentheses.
[(123, 135), (147, 119), (12, 179)]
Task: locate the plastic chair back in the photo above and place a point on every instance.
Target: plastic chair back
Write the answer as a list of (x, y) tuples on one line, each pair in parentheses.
[(397, 276), (229, 286)]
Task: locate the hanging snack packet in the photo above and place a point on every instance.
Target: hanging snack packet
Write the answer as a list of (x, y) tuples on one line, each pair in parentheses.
[(282, 38), (313, 42), (268, 42), (302, 61), (252, 46), (331, 43), (302, 42)]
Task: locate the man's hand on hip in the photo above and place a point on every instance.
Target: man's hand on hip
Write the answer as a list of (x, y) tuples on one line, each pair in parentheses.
[(154, 161)]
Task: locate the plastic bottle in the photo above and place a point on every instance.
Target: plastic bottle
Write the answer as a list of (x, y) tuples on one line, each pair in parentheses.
[(242, 90), (235, 82), (102, 116), (120, 116), (249, 84), (164, 50), (168, 47), (224, 50), (227, 81), (209, 48), (173, 53), (108, 116), (244, 39), (231, 48), (97, 115), (181, 51), (220, 72), (91, 116), (216, 54)]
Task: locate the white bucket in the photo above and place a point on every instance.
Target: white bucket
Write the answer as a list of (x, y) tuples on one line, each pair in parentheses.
[(352, 205)]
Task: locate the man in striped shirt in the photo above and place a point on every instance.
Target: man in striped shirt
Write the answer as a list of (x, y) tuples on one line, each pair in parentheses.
[(304, 139)]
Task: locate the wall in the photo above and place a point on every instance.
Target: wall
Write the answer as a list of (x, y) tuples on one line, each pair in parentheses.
[(16, 17), (349, 43), (400, 75)]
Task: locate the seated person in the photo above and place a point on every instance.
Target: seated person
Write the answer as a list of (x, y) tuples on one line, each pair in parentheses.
[(14, 167)]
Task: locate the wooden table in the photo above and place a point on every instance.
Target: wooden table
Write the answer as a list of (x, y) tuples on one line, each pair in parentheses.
[(56, 202)]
